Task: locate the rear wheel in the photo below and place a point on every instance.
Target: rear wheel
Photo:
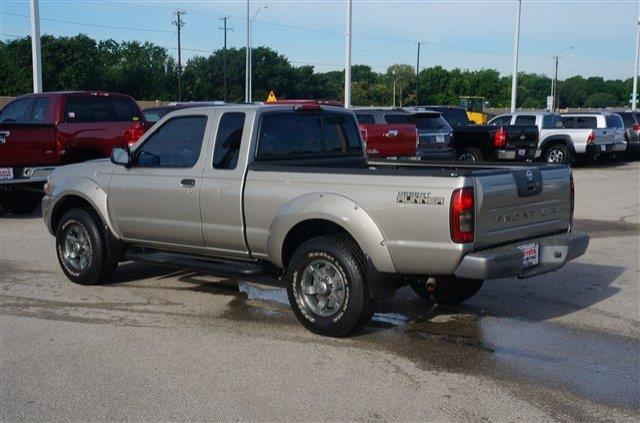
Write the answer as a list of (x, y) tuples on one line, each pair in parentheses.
[(557, 154), (327, 288), (20, 202), (449, 290), (470, 155), (81, 249)]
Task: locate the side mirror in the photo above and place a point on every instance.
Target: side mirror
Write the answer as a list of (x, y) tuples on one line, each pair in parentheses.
[(121, 156)]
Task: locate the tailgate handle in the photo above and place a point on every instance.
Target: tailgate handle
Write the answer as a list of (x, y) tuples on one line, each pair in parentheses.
[(528, 182)]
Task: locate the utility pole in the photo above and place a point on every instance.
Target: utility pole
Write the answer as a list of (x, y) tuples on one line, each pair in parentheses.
[(224, 55), (179, 23), (394, 90), (347, 59), (554, 84), (247, 58), (634, 103), (418, 72), (36, 57), (516, 53)]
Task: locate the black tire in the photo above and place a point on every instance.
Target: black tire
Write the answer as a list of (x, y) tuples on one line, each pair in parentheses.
[(470, 154), (558, 154), (344, 257), (20, 202), (98, 269), (449, 291)]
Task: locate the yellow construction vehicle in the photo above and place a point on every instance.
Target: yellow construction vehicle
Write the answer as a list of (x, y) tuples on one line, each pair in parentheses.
[(475, 109)]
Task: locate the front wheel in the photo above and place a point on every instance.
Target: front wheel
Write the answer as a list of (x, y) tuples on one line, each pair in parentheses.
[(81, 249), (470, 155), (557, 154), (327, 288), (448, 290)]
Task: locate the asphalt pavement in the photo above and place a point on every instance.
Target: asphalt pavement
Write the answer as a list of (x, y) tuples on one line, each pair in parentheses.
[(161, 344)]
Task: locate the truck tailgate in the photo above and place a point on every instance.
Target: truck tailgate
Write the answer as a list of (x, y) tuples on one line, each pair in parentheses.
[(27, 145), (519, 136), (521, 203), (390, 140)]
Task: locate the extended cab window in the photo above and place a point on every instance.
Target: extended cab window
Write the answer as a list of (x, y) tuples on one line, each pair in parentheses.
[(100, 109), (177, 143), (39, 111), (551, 122), (227, 149), (525, 120), (289, 135), (17, 112), (569, 122), (365, 118)]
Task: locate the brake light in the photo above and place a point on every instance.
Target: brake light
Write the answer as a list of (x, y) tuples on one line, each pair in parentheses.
[(591, 138), (636, 127), (572, 189), (133, 134), (500, 138), (363, 132), (308, 108), (461, 215)]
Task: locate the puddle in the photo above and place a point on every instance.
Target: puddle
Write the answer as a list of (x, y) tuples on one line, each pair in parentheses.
[(261, 292)]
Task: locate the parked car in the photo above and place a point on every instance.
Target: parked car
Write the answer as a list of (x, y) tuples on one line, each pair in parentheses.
[(39, 132), (611, 123), (153, 114), (435, 134), (287, 191), (631, 121), (386, 139), (477, 143), (558, 144)]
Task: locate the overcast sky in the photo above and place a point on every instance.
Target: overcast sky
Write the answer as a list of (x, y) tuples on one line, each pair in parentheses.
[(464, 34)]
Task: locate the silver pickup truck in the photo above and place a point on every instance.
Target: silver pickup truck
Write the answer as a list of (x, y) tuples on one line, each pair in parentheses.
[(286, 192), (561, 144)]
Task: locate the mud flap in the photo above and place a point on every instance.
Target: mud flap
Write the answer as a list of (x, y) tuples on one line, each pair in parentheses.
[(381, 285)]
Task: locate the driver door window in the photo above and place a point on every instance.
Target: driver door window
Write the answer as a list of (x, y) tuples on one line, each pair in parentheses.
[(176, 144)]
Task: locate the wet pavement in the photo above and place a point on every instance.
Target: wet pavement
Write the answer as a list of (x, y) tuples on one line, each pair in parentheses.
[(161, 344)]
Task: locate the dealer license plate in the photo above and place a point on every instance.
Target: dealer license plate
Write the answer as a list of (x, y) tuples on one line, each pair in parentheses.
[(522, 152), (529, 254), (6, 173), (439, 138)]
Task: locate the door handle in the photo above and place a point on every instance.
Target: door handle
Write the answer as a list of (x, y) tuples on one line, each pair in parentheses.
[(188, 183), (3, 136)]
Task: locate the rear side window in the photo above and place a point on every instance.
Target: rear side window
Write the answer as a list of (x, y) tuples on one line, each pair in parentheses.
[(569, 122), (39, 111), (397, 119), (340, 134), (456, 117), (100, 109), (525, 120), (430, 121), (501, 121), (628, 119), (614, 121), (176, 144), (586, 122), (17, 111), (227, 149), (552, 122), (364, 118)]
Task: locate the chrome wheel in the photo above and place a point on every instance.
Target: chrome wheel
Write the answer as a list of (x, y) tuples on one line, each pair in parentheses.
[(322, 288), (467, 157), (555, 156), (77, 247)]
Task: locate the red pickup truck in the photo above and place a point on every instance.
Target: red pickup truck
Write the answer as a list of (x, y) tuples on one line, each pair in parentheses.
[(41, 131), (386, 139)]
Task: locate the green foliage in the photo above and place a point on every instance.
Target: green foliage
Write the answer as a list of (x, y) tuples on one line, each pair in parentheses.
[(147, 72)]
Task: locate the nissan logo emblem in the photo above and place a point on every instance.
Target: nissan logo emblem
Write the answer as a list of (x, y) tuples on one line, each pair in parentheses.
[(529, 175)]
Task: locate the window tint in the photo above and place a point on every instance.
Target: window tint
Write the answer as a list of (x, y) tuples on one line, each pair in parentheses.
[(430, 121), (501, 121), (569, 122), (525, 120), (586, 122), (552, 122), (614, 121), (227, 149), (100, 109), (455, 117), (39, 111), (397, 119), (628, 119), (365, 118), (18, 111), (177, 143), (286, 135), (340, 134)]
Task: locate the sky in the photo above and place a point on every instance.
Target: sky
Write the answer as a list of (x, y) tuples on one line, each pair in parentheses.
[(457, 33)]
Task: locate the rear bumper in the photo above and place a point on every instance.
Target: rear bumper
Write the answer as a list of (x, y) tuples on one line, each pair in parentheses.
[(619, 147), (27, 175), (506, 261), (633, 147), (436, 154), (595, 149), (518, 154)]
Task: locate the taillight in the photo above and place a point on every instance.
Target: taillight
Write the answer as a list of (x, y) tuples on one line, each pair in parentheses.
[(461, 215), (363, 132), (636, 127), (591, 138), (133, 134), (500, 138), (572, 189), (417, 138)]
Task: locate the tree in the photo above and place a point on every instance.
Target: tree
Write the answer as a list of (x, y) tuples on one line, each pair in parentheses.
[(600, 100)]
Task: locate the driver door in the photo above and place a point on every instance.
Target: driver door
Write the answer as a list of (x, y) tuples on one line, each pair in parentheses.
[(157, 199)]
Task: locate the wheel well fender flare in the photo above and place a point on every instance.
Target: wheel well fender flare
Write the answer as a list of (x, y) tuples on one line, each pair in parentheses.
[(337, 209), (558, 139)]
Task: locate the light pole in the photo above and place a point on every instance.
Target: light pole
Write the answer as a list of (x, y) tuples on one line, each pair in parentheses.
[(554, 85), (418, 72), (347, 59), (516, 53), (250, 55), (247, 58), (36, 57), (634, 103), (394, 90)]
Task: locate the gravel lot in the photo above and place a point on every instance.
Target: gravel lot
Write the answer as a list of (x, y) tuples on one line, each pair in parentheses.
[(166, 345)]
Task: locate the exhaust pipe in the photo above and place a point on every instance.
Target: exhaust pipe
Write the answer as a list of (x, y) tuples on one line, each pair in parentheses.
[(431, 284)]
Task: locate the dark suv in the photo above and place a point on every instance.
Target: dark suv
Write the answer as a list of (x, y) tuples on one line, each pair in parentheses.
[(631, 121)]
